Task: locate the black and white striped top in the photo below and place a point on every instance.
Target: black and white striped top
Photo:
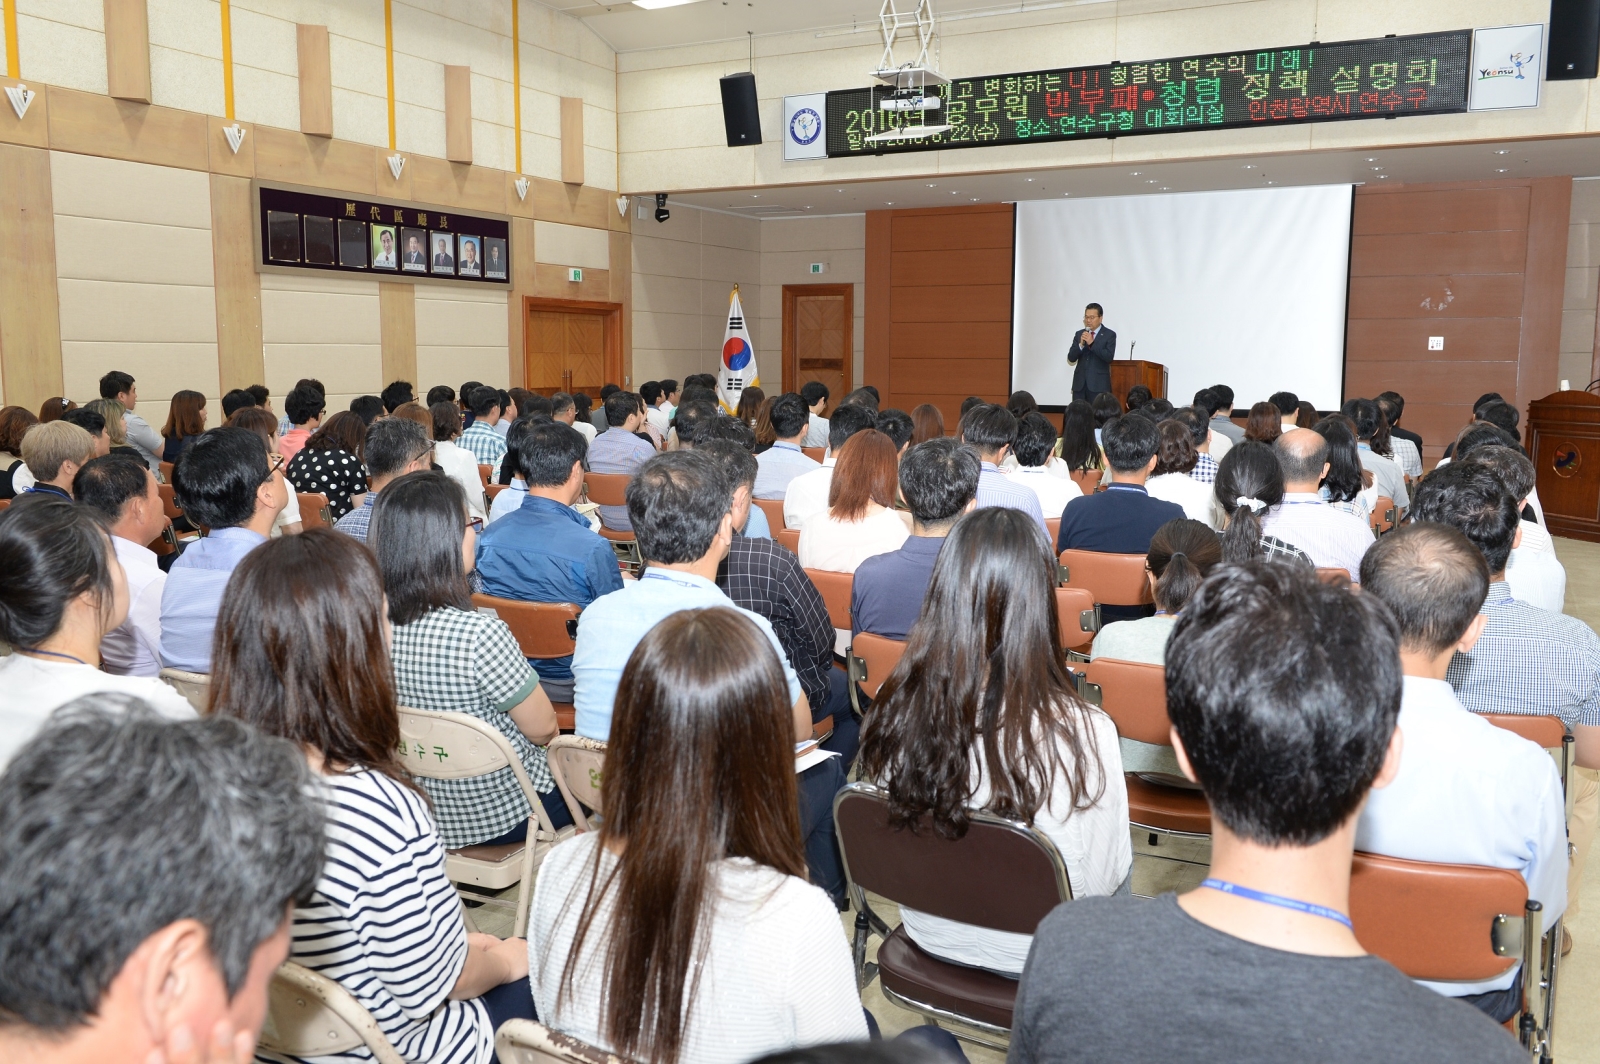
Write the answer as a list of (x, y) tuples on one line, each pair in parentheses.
[(386, 925)]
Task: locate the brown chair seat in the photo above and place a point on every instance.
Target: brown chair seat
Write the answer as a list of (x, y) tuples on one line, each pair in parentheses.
[(492, 854), (910, 972), (1152, 805), (1113, 579), (1088, 481), (814, 453), (1071, 605), (835, 589), (789, 538), (773, 508)]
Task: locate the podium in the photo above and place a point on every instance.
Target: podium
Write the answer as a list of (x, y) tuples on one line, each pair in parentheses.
[(1128, 373), (1563, 439)]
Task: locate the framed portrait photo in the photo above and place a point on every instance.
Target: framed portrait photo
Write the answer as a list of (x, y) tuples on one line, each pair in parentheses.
[(352, 243), (469, 261), (414, 250), (442, 257), (320, 240), (385, 252), (283, 236), (495, 262)]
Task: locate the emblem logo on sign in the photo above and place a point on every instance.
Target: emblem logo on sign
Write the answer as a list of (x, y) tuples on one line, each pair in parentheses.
[(1566, 460), (805, 126)]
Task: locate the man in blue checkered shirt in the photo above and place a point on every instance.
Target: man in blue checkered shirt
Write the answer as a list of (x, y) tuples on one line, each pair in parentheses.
[(1528, 660), (486, 445)]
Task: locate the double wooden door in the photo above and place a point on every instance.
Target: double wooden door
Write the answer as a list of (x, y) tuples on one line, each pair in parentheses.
[(572, 345), (819, 337)]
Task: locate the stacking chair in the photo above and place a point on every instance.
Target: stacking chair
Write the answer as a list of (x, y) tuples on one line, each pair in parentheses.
[(1053, 529), (195, 686), (1113, 579), (814, 453), (1088, 480), (773, 508), (310, 1015), (578, 765), (167, 542), (788, 537), (494, 489), (1549, 732), (872, 659), (1383, 515), (314, 511), (1134, 696), (542, 630), (166, 472), (484, 473), (1078, 618), (835, 589), (1002, 874), (1449, 922), (610, 489), (530, 1042), (169, 504), (455, 746)]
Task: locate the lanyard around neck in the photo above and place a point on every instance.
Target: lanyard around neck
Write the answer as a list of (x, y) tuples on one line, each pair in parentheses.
[(1277, 899)]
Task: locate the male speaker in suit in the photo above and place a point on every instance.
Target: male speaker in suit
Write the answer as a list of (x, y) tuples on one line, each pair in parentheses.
[(1091, 352)]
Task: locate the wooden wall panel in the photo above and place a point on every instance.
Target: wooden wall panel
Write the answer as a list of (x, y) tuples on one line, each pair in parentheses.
[(90, 124), (875, 330), (1494, 251), (241, 360), (954, 267), (1492, 295), (458, 113), (621, 276), (1466, 339), (572, 140), (316, 80), (1444, 211), (397, 331), (953, 229), (30, 315), (964, 339), (935, 303), (1539, 354), (127, 25)]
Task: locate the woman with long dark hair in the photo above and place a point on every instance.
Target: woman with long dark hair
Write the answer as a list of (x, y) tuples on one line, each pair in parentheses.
[(449, 658), (1080, 441), (1265, 424), (302, 652), (1182, 554), (860, 520), (1375, 452), (683, 929), (927, 423), (1249, 483), (750, 401), (1346, 485), (1305, 415), (331, 462), (981, 713), (186, 419)]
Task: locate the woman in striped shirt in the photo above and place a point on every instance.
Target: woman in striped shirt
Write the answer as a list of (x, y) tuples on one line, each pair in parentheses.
[(302, 652)]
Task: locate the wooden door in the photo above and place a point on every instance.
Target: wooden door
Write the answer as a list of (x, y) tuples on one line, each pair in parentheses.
[(819, 337), (572, 345)]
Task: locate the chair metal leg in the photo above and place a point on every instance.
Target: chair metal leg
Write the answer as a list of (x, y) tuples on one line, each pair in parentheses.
[(865, 919)]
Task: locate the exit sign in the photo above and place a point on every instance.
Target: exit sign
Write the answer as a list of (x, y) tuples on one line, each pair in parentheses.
[(819, 267), (574, 274)]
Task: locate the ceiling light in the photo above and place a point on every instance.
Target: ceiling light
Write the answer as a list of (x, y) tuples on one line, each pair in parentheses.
[(1502, 171), (1066, 193), (1248, 166), (1502, 151), (1151, 180), (754, 196), (1166, 188), (1030, 179), (932, 184), (1372, 159), (651, 5), (1375, 168), (1383, 177), (1135, 173)]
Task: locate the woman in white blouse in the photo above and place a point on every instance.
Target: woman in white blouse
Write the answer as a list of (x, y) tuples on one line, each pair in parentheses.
[(460, 464), (942, 741), (1175, 459), (684, 928), (860, 520)]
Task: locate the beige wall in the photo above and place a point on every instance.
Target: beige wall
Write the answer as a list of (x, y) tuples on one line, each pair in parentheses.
[(1582, 282), (462, 335), (670, 113), (321, 326), (788, 248)]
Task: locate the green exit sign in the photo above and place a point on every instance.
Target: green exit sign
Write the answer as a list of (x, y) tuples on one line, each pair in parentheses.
[(819, 267), (574, 274)]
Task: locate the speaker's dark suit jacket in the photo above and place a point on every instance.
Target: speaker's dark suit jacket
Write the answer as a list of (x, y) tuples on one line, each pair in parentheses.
[(1093, 374)]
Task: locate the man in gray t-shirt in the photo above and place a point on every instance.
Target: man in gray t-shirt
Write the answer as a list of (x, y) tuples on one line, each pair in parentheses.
[(1283, 692)]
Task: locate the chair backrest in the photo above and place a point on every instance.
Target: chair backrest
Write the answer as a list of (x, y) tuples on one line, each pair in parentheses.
[(788, 537), (835, 588), (1334, 575), (1077, 618), (1113, 579), (166, 472), (195, 686), (1134, 696), (814, 453), (542, 629), (607, 489), (878, 657), (1053, 527), (531, 1042), (1438, 921), (169, 505), (495, 489), (577, 764), (166, 542), (1088, 480), (310, 1015), (773, 508), (4, 503), (1547, 731), (1383, 515), (314, 512), (1001, 874), (484, 473)]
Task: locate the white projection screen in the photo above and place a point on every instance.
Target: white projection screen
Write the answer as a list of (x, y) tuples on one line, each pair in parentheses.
[(1244, 288)]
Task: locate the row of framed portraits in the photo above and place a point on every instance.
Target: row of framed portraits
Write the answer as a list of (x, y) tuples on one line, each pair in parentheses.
[(320, 241)]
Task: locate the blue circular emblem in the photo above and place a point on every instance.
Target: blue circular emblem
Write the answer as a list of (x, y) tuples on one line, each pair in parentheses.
[(805, 126)]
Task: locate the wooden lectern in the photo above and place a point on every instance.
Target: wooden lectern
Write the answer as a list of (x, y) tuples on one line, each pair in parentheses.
[(1126, 373), (1563, 439)]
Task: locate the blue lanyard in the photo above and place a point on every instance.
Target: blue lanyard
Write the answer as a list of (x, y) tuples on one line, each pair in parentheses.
[(655, 574), (1274, 899)]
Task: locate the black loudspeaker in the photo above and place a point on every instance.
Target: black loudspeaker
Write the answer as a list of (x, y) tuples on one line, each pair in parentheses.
[(741, 115), (1574, 40)]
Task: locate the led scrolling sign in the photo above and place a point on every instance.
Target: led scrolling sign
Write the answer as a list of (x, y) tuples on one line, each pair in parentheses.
[(1379, 78)]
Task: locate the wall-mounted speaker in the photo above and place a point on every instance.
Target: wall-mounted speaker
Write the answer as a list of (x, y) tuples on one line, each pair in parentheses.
[(1574, 40), (741, 114)]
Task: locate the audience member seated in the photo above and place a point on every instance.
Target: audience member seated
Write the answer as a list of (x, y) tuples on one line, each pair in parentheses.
[(228, 484), (264, 423), (732, 430), (1265, 423), (750, 400), (1393, 405), (394, 447), (1176, 459), (123, 493), (981, 713), (1288, 405), (897, 425), (1079, 446), (783, 461), (1306, 416), (449, 658), (146, 869), (302, 654), (939, 480), (61, 591), (480, 437), (927, 423), (234, 401), (992, 432), (1534, 574), (691, 414), (860, 520), (1346, 485), (765, 578), (331, 462), (564, 408), (807, 494), (94, 423), (186, 420), (1036, 465), (1105, 407), (1283, 694), (1332, 538), (120, 386), (1372, 440), (1206, 412), (1249, 483), (115, 419), (1527, 660), (545, 551), (459, 464), (618, 450), (397, 394), (815, 395), (303, 409), (1182, 554), (1468, 792), (52, 454), (15, 421), (684, 929)]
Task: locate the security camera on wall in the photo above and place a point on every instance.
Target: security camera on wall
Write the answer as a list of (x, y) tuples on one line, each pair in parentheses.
[(662, 214)]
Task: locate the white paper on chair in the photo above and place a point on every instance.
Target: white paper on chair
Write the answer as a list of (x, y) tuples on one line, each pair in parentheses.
[(816, 756)]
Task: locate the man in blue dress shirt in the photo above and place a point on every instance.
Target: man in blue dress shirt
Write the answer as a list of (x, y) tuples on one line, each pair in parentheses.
[(544, 551), (225, 482), (991, 431), (618, 450), (784, 461)]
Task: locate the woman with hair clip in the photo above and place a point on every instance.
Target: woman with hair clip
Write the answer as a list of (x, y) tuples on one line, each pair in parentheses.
[(981, 713), (684, 928), (264, 423), (1347, 486), (1182, 554), (927, 423), (1265, 423), (1249, 482), (302, 652), (331, 462)]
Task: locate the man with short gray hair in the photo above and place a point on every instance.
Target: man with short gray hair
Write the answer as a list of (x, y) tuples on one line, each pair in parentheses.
[(147, 873), (1332, 538), (395, 446)]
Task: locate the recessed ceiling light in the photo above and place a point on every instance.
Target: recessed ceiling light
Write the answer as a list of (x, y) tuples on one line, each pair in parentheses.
[(1030, 179), (1372, 159), (1066, 193), (1165, 188), (1502, 170), (955, 193), (1151, 180), (1375, 168), (1383, 177), (652, 5), (974, 199), (1136, 173), (1248, 166), (808, 206), (754, 196), (1272, 182), (932, 184), (888, 203), (1502, 151)]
